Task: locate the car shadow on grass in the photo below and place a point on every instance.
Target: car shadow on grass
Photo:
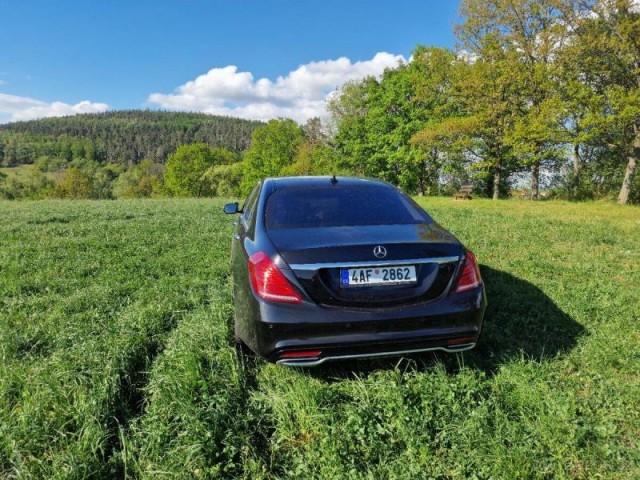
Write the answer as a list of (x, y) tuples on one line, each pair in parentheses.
[(521, 321)]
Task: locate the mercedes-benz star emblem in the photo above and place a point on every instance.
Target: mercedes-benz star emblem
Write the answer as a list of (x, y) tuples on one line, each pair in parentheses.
[(380, 251)]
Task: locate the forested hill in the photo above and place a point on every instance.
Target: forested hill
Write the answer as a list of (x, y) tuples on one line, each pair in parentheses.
[(119, 136)]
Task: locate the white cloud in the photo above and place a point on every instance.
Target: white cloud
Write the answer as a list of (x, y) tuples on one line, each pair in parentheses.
[(14, 108), (467, 56), (299, 95)]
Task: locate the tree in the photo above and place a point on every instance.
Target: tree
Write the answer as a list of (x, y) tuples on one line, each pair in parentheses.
[(225, 179), (5, 190), (488, 101), (529, 33), (433, 96), (273, 147), (376, 119), (138, 181), (607, 34), (184, 173), (400, 106), (314, 131), (348, 110), (316, 159)]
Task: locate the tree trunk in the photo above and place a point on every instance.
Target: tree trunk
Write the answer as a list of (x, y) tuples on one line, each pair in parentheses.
[(576, 166), (535, 180), (421, 176), (496, 184), (632, 163), (623, 197)]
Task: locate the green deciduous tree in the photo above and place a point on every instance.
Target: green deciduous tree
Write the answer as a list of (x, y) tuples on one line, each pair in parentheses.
[(32, 184), (376, 119), (607, 43), (432, 74), (75, 184), (348, 109), (139, 180), (225, 179), (488, 105), (185, 171), (273, 147), (524, 38)]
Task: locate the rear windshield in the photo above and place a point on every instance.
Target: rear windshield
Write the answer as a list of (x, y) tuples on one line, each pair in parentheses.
[(335, 206)]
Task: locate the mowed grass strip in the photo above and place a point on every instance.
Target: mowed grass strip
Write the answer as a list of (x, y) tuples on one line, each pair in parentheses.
[(552, 391), (89, 292)]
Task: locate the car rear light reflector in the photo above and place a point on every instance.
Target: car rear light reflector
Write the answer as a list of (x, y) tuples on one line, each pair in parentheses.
[(461, 340), (268, 281), (470, 276), (301, 354)]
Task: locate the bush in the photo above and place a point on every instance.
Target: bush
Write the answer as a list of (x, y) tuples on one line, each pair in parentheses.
[(75, 185)]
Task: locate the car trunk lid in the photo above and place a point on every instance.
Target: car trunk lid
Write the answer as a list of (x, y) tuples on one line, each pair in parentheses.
[(321, 258)]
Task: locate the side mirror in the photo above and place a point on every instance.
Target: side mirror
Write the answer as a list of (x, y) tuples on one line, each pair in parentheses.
[(231, 208)]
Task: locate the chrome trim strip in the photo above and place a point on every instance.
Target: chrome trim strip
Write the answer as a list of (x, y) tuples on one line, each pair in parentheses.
[(318, 361), (374, 263)]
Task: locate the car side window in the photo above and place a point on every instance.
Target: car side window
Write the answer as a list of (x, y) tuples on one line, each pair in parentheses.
[(249, 205)]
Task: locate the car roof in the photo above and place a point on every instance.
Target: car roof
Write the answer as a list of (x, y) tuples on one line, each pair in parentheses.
[(321, 181)]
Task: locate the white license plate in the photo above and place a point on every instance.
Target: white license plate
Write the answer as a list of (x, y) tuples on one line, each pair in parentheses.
[(355, 277)]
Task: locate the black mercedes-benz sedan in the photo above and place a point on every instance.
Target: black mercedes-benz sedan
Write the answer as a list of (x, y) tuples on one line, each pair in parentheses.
[(328, 268)]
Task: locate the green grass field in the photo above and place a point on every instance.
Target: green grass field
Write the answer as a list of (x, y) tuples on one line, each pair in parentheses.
[(116, 358)]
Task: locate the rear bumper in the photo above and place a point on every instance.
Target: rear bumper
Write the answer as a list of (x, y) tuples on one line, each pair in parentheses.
[(355, 353), (451, 324)]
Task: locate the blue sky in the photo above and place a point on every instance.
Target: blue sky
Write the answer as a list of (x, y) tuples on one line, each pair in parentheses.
[(61, 57)]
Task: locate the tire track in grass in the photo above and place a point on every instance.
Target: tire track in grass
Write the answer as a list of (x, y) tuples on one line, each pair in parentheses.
[(195, 423), (127, 401), (80, 397), (64, 413), (89, 303)]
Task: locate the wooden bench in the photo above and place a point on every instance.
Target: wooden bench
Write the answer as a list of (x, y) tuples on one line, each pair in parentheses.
[(464, 193)]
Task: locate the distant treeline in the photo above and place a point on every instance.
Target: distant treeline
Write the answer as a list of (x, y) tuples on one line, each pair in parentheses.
[(541, 93), (121, 137)]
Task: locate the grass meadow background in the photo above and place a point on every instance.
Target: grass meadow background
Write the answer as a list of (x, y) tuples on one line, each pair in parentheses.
[(116, 355)]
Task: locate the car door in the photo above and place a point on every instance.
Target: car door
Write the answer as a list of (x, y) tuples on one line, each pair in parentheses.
[(241, 288)]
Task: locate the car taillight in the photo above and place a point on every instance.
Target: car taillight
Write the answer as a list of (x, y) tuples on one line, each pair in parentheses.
[(470, 276), (301, 354), (269, 282)]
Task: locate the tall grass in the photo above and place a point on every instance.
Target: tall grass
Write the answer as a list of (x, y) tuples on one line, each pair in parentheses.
[(89, 293), (116, 357)]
